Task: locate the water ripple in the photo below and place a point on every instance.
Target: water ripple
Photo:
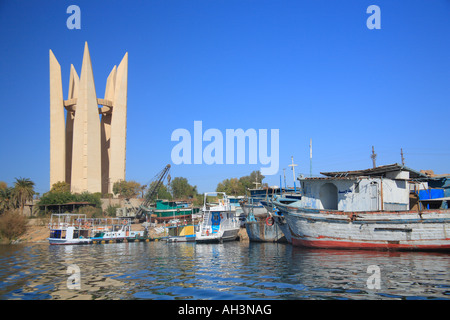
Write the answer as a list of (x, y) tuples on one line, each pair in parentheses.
[(158, 270)]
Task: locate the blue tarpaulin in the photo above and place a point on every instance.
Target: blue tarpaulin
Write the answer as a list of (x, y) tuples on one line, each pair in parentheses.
[(431, 194)]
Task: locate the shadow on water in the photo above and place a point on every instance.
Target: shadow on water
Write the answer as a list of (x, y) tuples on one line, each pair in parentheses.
[(234, 270)]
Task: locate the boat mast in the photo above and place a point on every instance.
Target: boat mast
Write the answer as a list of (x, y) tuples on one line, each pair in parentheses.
[(293, 171), (374, 157), (256, 180), (310, 158)]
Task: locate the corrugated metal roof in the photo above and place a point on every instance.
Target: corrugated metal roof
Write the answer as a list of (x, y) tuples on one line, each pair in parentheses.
[(378, 171), (330, 178)]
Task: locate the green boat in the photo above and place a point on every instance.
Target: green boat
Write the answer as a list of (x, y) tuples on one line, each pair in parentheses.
[(169, 209)]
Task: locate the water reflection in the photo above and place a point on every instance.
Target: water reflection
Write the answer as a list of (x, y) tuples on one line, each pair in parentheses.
[(159, 270), (343, 274)]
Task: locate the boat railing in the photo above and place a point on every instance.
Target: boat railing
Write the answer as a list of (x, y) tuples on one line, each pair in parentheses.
[(223, 204), (229, 223), (63, 221)]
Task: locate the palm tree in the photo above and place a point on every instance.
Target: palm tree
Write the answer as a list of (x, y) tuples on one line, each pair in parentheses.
[(23, 191), (5, 199)]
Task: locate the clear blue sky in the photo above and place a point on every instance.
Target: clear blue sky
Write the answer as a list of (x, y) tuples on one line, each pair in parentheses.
[(311, 69)]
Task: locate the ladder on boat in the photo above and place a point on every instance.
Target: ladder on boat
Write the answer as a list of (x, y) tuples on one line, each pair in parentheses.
[(206, 218)]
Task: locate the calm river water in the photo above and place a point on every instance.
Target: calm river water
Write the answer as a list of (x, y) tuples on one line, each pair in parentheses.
[(235, 270)]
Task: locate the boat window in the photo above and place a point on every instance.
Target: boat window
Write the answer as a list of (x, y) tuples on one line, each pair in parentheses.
[(56, 234), (329, 196), (401, 184)]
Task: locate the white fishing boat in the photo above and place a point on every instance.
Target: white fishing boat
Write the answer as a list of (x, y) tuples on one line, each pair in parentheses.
[(220, 222), (113, 229), (69, 229)]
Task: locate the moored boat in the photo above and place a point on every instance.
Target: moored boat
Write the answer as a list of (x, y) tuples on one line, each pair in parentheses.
[(396, 230), (252, 203), (367, 209), (166, 210), (276, 217), (261, 223), (180, 233), (113, 229), (69, 229), (219, 223)]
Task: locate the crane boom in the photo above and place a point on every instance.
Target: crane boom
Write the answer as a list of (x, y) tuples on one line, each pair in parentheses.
[(152, 190)]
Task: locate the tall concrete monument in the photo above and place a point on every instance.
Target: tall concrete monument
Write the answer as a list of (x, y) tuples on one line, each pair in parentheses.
[(88, 151)]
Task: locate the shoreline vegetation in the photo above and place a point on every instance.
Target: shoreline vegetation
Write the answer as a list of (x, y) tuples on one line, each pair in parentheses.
[(25, 214)]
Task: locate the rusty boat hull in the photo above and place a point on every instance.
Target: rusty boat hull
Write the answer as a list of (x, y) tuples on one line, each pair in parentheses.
[(259, 230), (378, 230)]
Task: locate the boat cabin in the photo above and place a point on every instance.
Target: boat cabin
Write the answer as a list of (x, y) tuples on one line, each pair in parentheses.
[(381, 188), (69, 228)]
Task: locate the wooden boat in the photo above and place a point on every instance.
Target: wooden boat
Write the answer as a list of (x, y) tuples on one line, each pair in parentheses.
[(276, 217), (365, 210), (397, 230), (263, 228), (220, 222), (180, 233), (69, 229), (165, 210), (260, 222), (113, 229)]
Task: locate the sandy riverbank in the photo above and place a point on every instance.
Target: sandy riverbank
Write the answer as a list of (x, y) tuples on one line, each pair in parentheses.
[(38, 232)]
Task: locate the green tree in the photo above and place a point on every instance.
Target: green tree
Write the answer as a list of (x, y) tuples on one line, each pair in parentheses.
[(60, 186), (231, 187), (6, 201), (248, 182), (126, 189), (162, 192), (239, 186), (23, 191), (223, 186), (62, 197), (182, 189), (111, 210), (143, 187), (198, 199), (94, 198), (56, 198)]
